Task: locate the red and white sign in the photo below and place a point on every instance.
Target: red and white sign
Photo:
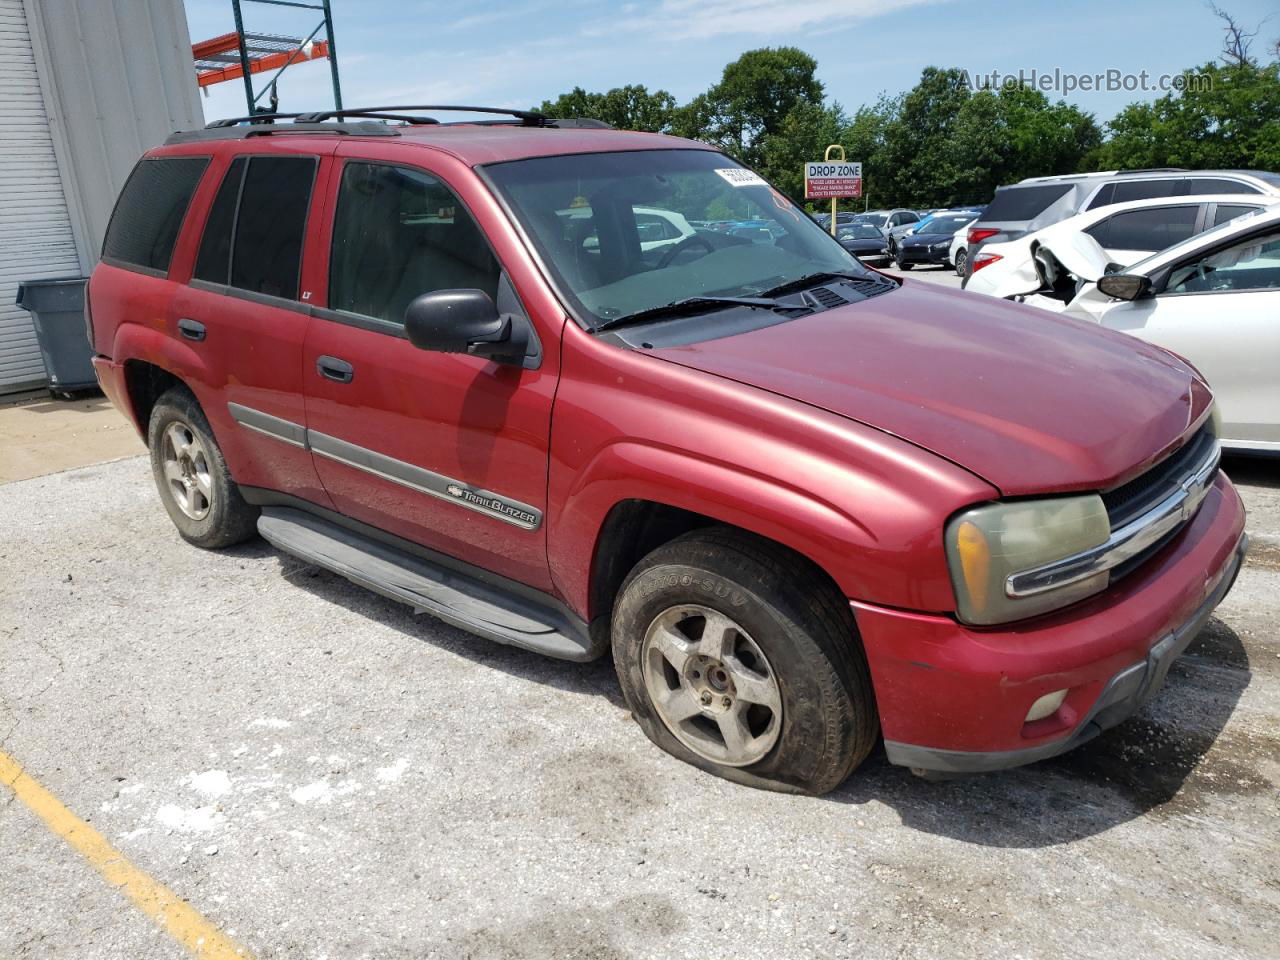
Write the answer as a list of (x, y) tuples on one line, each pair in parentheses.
[(831, 178)]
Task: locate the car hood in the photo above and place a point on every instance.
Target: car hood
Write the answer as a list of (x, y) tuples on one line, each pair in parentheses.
[(1030, 401), (926, 239)]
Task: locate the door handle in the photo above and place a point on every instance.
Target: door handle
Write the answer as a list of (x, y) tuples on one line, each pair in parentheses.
[(191, 329), (331, 368)]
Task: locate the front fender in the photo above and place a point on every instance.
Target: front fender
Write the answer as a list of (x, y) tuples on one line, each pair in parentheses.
[(865, 560)]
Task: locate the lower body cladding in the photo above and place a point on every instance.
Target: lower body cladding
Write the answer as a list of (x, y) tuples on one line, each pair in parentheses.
[(957, 699)]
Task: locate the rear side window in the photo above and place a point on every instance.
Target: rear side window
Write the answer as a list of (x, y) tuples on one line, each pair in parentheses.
[(266, 250), (1219, 185), (1127, 190), (1024, 203), (253, 238), (149, 213), (1152, 229), (398, 234)]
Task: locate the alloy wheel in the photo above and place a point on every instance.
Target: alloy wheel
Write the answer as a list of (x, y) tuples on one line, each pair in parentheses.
[(711, 685), (186, 470)]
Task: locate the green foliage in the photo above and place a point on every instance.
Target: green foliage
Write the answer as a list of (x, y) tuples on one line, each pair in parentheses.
[(1235, 123), (631, 107), (942, 143)]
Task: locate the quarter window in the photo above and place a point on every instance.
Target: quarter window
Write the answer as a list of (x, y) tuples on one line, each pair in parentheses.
[(149, 213), (398, 234)]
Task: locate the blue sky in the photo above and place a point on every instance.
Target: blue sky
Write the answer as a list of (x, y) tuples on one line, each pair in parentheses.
[(514, 53)]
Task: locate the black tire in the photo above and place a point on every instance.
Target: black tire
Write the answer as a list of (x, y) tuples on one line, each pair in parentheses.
[(962, 258), (829, 723), (904, 266), (228, 519)]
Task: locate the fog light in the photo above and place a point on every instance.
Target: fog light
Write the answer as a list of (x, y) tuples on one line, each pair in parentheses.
[(1046, 706)]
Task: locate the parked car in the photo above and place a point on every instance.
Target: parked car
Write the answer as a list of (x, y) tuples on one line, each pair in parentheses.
[(1127, 232), (800, 503), (931, 242), (824, 219), (1038, 202), (655, 227), (1214, 299), (959, 252), (889, 222), (864, 241)]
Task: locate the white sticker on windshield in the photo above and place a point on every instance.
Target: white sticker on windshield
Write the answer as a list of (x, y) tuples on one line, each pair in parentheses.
[(738, 177)]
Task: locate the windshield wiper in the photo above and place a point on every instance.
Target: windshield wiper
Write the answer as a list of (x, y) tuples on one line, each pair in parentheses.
[(690, 305), (810, 279)]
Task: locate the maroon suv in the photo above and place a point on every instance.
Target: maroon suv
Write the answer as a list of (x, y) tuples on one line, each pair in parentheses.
[(508, 373)]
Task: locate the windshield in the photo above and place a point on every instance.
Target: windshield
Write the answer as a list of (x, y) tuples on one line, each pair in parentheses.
[(860, 231), (945, 224), (628, 232)]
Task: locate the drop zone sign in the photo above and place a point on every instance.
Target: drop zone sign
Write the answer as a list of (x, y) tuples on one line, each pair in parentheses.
[(830, 178)]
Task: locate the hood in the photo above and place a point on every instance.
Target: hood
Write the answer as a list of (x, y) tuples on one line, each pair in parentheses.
[(927, 239), (1030, 401)]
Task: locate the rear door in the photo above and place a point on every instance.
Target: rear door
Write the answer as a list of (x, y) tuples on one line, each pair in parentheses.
[(245, 316), (446, 450)]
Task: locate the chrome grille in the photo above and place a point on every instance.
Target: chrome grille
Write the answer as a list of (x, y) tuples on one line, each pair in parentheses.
[(1145, 514), (1140, 494)]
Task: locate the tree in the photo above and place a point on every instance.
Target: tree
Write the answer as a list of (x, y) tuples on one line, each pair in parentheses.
[(631, 107), (1003, 137), (1224, 117), (751, 102)]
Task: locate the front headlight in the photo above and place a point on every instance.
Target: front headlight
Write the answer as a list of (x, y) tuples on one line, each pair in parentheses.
[(987, 544)]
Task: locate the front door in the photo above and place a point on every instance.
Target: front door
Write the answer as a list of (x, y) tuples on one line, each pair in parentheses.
[(1219, 311), (446, 450)]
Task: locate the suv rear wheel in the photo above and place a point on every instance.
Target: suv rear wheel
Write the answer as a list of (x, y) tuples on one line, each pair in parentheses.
[(961, 259), (731, 662), (195, 486)]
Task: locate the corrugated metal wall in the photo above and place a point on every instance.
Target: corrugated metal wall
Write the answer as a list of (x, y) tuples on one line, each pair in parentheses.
[(85, 87), (36, 238)]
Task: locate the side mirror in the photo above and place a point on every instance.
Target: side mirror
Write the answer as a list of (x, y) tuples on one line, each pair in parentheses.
[(461, 321), (1124, 286)]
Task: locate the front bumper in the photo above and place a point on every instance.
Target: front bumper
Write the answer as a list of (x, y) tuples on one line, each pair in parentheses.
[(923, 255), (954, 699)]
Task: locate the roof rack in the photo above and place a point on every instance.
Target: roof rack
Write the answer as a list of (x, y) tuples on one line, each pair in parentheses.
[(232, 129), (527, 118), (1153, 170)]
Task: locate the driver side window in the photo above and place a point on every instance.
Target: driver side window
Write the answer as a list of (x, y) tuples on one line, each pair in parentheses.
[(1252, 264), (397, 234)]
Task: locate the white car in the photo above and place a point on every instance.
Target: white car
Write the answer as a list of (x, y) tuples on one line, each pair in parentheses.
[(1213, 299), (1128, 232), (959, 254), (657, 227)]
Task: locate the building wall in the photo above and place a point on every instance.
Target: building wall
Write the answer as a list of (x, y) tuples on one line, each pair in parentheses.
[(117, 78)]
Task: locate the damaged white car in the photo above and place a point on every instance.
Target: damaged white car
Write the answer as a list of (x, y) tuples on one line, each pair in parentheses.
[(1213, 299), (1128, 232)]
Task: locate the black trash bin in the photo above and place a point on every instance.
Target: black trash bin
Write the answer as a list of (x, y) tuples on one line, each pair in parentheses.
[(57, 310)]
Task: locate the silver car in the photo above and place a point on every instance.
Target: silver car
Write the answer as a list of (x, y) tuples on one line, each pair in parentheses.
[(1213, 299)]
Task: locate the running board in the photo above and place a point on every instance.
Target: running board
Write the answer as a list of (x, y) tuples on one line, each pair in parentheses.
[(467, 602)]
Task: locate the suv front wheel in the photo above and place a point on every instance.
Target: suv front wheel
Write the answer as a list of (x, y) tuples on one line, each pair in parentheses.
[(195, 486), (742, 659)]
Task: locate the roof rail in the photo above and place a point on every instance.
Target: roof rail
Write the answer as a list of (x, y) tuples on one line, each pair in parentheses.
[(366, 128), (527, 118), (1153, 170)]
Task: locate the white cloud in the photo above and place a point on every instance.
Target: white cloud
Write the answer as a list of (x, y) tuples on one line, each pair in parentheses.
[(700, 19)]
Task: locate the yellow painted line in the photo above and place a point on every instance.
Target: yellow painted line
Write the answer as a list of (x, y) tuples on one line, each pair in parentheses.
[(157, 901)]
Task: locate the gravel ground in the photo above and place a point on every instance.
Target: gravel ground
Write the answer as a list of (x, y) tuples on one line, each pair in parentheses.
[(323, 774)]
